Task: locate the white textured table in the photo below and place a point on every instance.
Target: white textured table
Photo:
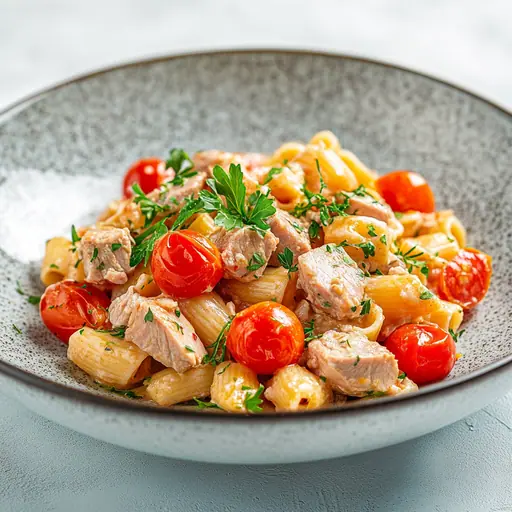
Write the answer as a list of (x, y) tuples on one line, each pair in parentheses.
[(465, 467)]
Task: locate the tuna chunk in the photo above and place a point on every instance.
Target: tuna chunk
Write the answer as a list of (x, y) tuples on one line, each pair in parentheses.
[(106, 255), (245, 253), (152, 324), (174, 196), (352, 364), (290, 233), (331, 281)]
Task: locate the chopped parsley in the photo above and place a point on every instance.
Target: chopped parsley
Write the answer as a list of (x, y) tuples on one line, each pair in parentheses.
[(353, 309), (314, 229), (148, 207), (309, 329), (117, 332), (101, 266), (368, 248), (116, 247), (32, 299), (54, 266), (128, 393), (322, 378), (179, 327), (17, 329), (365, 307), (78, 261), (376, 394), (273, 172), (327, 304), (398, 215), (371, 230), (148, 317), (297, 228), (253, 401), (188, 348), (456, 335), (402, 376), (410, 259), (224, 369), (378, 272), (205, 405), (218, 353), (182, 165), (357, 360), (426, 295), (257, 261), (145, 243), (286, 260), (74, 235), (94, 254), (177, 312), (383, 239)]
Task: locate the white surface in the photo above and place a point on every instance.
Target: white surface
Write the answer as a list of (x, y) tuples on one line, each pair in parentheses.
[(463, 467)]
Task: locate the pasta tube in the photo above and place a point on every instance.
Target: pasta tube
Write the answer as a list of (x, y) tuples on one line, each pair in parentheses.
[(56, 260)]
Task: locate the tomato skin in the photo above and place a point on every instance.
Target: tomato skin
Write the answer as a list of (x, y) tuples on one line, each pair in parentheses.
[(465, 280), (426, 353), (68, 306), (149, 173), (186, 264), (265, 337), (406, 190)]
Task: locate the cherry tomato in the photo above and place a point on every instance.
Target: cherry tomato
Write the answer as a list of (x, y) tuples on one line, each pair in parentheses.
[(466, 278), (406, 190), (266, 337), (186, 264), (68, 306), (426, 353), (148, 173)]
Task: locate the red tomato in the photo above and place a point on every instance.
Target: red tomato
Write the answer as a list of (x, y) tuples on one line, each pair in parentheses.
[(148, 173), (466, 278), (185, 264), (426, 353), (406, 190), (68, 306), (266, 337)]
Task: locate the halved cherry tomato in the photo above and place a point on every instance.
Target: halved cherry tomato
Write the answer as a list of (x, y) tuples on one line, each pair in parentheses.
[(68, 306), (148, 173), (186, 264), (465, 280), (406, 190), (266, 337), (426, 353)]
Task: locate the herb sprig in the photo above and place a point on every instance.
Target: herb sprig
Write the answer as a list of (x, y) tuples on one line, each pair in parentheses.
[(286, 260), (149, 208), (252, 401), (182, 165), (145, 242), (410, 260), (218, 354)]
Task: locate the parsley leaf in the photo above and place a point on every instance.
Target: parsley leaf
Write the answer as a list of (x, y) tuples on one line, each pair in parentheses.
[(189, 349), (273, 172), (34, 299), (365, 307), (182, 165), (456, 335), (256, 262), (116, 247), (286, 260), (148, 207), (145, 243), (205, 405), (402, 376), (357, 360), (74, 235), (218, 347), (309, 329), (383, 240), (128, 393), (368, 248), (54, 266), (17, 329), (117, 332), (426, 295), (371, 230), (410, 260), (94, 254), (148, 317), (253, 401), (314, 229)]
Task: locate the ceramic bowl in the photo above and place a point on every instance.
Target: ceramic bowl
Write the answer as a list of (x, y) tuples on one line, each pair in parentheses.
[(64, 150)]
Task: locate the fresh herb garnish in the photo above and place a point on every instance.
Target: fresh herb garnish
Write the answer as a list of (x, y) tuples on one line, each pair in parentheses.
[(383, 239), (309, 329), (253, 401), (376, 394), (94, 254), (410, 260), (322, 378), (116, 247), (128, 393), (32, 299), (148, 207), (74, 235), (286, 260), (54, 266), (177, 312), (365, 307), (456, 335), (427, 294), (218, 347), (273, 172), (17, 329), (78, 261), (357, 360), (179, 327), (189, 348), (182, 165), (314, 229), (145, 243), (256, 262), (368, 248), (378, 272), (205, 405), (327, 304), (117, 332), (224, 369), (148, 317), (371, 230), (402, 376)]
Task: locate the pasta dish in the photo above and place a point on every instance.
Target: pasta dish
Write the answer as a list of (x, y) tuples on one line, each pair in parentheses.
[(249, 282)]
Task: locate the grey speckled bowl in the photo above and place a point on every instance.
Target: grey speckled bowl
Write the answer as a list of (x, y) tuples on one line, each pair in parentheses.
[(62, 155)]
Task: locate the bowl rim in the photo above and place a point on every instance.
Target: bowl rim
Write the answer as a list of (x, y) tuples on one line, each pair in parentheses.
[(125, 405)]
